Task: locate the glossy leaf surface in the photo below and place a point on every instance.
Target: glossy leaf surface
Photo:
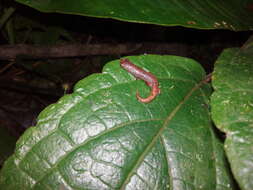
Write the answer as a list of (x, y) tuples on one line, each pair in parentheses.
[(228, 14), (101, 137), (232, 109)]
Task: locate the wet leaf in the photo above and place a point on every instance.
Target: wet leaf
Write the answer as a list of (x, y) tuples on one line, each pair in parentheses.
[(228, 14), (232, 109), (102, 137)]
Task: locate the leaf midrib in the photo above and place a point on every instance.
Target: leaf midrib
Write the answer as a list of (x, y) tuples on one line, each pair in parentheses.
[(51, 169), (154, 140), (160, 131)]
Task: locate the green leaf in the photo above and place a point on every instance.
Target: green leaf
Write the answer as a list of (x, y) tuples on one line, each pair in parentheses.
[(38, 32), (102, 137), (228, 14), (7, 13), (232, 109)]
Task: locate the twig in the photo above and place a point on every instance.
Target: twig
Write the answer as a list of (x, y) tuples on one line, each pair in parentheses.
[(208, 78), (6, 67), (29, 89), (10, 52)]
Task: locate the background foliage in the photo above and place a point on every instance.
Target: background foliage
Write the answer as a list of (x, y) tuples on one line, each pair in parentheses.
[(100, 136), (228, 14)]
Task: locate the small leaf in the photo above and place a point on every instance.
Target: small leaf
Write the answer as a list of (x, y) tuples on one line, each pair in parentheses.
[(102, 137), (232, 109), (227, 14)]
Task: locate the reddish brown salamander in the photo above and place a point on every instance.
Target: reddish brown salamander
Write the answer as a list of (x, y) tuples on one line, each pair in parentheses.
[(139, 73)]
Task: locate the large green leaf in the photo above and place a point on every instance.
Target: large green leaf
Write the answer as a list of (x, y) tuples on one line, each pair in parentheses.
[(232, 109), (101, 137), (228, 14)]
